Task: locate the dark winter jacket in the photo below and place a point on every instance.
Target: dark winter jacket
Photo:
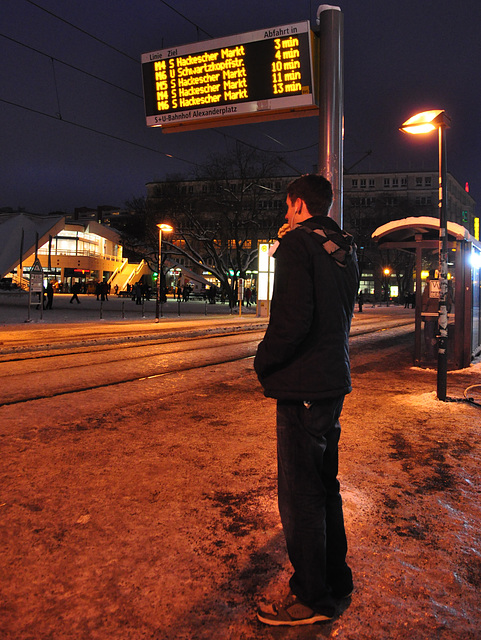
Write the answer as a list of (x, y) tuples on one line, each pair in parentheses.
[(305, 352)]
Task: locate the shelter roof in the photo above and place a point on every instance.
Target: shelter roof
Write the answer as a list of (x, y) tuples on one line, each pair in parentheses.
[(406, 229)]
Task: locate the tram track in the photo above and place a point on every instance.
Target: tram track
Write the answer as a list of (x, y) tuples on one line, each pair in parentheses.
[(117, 383), (40, 352), (35, 350), (59, 375)]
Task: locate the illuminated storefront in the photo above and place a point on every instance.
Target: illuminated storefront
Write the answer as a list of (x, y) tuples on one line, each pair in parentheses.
[(85, 253)]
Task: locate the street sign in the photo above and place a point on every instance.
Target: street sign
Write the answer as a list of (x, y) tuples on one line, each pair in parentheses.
[(260, 75), (36, 277)]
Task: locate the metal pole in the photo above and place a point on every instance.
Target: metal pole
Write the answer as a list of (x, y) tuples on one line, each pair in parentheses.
[(157, 302), (331, 102), (443, 270), (418, 303)]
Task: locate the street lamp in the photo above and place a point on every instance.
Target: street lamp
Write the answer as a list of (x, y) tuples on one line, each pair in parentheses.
[(387, 289), (166, 228), (426, 122)]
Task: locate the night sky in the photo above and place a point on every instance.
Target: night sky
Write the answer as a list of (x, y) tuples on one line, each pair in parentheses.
[(73, 129)]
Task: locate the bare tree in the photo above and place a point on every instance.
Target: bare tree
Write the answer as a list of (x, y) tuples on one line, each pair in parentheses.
[(237, 202)]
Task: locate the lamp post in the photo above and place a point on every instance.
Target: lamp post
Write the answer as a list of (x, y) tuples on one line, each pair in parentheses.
[(426, 122), (166, 228)]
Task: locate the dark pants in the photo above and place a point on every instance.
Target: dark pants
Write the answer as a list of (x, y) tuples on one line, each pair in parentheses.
[(310, 504)]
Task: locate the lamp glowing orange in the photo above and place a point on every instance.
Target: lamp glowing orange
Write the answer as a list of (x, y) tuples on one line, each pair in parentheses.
[(166, 228), (424, 122)]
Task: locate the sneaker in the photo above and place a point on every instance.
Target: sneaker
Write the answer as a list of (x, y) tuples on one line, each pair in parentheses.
[(291, 612)]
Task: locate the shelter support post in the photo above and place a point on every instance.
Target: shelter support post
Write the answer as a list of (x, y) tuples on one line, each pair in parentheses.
[(464, 306), (418, 304)]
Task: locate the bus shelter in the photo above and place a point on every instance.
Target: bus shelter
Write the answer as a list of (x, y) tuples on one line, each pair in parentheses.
[(421, 236)]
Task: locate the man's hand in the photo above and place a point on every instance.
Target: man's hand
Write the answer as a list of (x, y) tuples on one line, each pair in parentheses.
[(283, 230)]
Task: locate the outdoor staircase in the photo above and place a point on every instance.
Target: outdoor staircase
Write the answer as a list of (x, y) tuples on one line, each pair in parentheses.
[(128, 273)]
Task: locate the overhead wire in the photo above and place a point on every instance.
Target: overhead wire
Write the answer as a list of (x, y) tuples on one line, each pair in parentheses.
[(103, 42), (90, 35), (67, 64), (138, 95), (102, 133), (186, 18)]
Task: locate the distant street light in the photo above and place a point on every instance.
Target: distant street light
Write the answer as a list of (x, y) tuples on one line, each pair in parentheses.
[(166, 228), (387, 289), (426, 122)]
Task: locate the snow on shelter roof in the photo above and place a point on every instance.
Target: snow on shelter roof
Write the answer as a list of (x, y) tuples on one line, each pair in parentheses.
[(406, 228)]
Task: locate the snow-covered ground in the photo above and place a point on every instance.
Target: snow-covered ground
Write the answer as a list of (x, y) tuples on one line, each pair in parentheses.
[(149, 511)]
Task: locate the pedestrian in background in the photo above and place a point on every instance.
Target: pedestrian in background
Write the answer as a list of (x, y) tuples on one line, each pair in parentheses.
[(49, 292), (104, 291), (138, 293), (75, 290), (303, 362), (360, 301)]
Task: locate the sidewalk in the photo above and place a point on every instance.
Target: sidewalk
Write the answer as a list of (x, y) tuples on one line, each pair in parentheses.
[(81, 324), (14, 309)]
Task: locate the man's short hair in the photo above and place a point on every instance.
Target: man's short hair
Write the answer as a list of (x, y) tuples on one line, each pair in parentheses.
[(316, 192)]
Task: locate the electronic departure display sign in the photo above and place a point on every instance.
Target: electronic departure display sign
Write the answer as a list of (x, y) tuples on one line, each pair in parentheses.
[(263, 75)]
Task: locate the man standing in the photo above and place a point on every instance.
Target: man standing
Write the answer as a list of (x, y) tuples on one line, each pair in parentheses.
[(303, 362)]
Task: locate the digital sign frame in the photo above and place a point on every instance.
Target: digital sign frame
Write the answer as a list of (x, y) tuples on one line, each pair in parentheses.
[(260, 75)]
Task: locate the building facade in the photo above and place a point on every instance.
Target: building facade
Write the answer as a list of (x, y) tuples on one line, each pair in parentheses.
[(374, 199), (86, 253), (370, 200)]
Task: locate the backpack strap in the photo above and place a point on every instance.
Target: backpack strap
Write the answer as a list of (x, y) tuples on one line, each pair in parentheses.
[(329, 245)]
